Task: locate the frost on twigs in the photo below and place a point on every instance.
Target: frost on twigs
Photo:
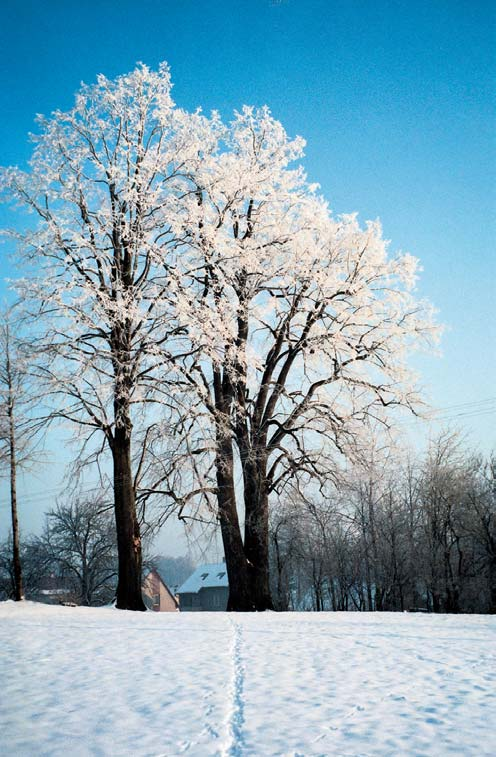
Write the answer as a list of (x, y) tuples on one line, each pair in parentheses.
[(193, 287)]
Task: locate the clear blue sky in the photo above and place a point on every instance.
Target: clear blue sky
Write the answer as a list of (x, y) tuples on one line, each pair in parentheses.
[(395, 99)]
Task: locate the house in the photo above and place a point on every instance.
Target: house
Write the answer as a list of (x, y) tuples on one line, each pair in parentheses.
[(53, 590), (157, 595), (206, 589)]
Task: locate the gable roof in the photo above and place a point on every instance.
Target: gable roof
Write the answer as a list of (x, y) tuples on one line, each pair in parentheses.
[(159, 574), (155, 572), (208, 576)]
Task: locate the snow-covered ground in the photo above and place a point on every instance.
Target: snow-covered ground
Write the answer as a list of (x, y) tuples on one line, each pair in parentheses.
[(76, 681)]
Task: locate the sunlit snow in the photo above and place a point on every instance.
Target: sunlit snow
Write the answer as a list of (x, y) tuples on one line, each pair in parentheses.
[(77, 681)]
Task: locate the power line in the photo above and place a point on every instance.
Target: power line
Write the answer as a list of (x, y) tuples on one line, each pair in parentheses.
[(473, 409), (465, 404), (449, 417)]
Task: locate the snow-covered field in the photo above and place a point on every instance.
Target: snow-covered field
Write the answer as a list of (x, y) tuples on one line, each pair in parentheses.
[(77, 681)]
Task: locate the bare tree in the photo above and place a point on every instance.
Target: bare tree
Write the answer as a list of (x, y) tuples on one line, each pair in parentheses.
[(18, 426), (397, 533), (79, 541), (479, 523), (34, 563)]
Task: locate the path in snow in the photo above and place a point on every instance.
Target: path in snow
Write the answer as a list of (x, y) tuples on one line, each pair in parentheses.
[(87, 682), (237, 715)]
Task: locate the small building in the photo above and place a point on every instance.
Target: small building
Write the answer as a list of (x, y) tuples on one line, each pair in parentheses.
[(53, 590), (157, 595), (206, 589)]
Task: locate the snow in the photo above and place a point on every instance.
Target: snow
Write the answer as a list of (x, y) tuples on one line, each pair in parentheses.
[(206, 576), (85, 681)]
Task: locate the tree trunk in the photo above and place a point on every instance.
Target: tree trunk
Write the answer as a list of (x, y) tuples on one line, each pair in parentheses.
[(436, 601), (85, 598), (16, 554), (368, 578), (257, 532), (282, 592), (127, 526), (491, 574), (239, 596), (332, 591), (378, 588)]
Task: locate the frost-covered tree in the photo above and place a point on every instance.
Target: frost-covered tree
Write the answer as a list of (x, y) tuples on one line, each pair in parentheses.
[(299, 324), (185, 263), (105, 182)]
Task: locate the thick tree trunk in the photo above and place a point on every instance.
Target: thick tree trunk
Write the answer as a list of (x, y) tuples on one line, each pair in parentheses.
[(127, 526), (239, 597), (257, 532)]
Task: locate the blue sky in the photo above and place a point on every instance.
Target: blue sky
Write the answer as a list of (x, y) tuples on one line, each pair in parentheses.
[(395, 99)]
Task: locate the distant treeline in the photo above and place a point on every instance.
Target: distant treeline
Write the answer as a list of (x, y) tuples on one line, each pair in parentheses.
[(397, 535)]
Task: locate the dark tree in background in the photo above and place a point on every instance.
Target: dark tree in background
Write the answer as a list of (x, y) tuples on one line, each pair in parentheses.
[(35, 567), (79, 543)]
